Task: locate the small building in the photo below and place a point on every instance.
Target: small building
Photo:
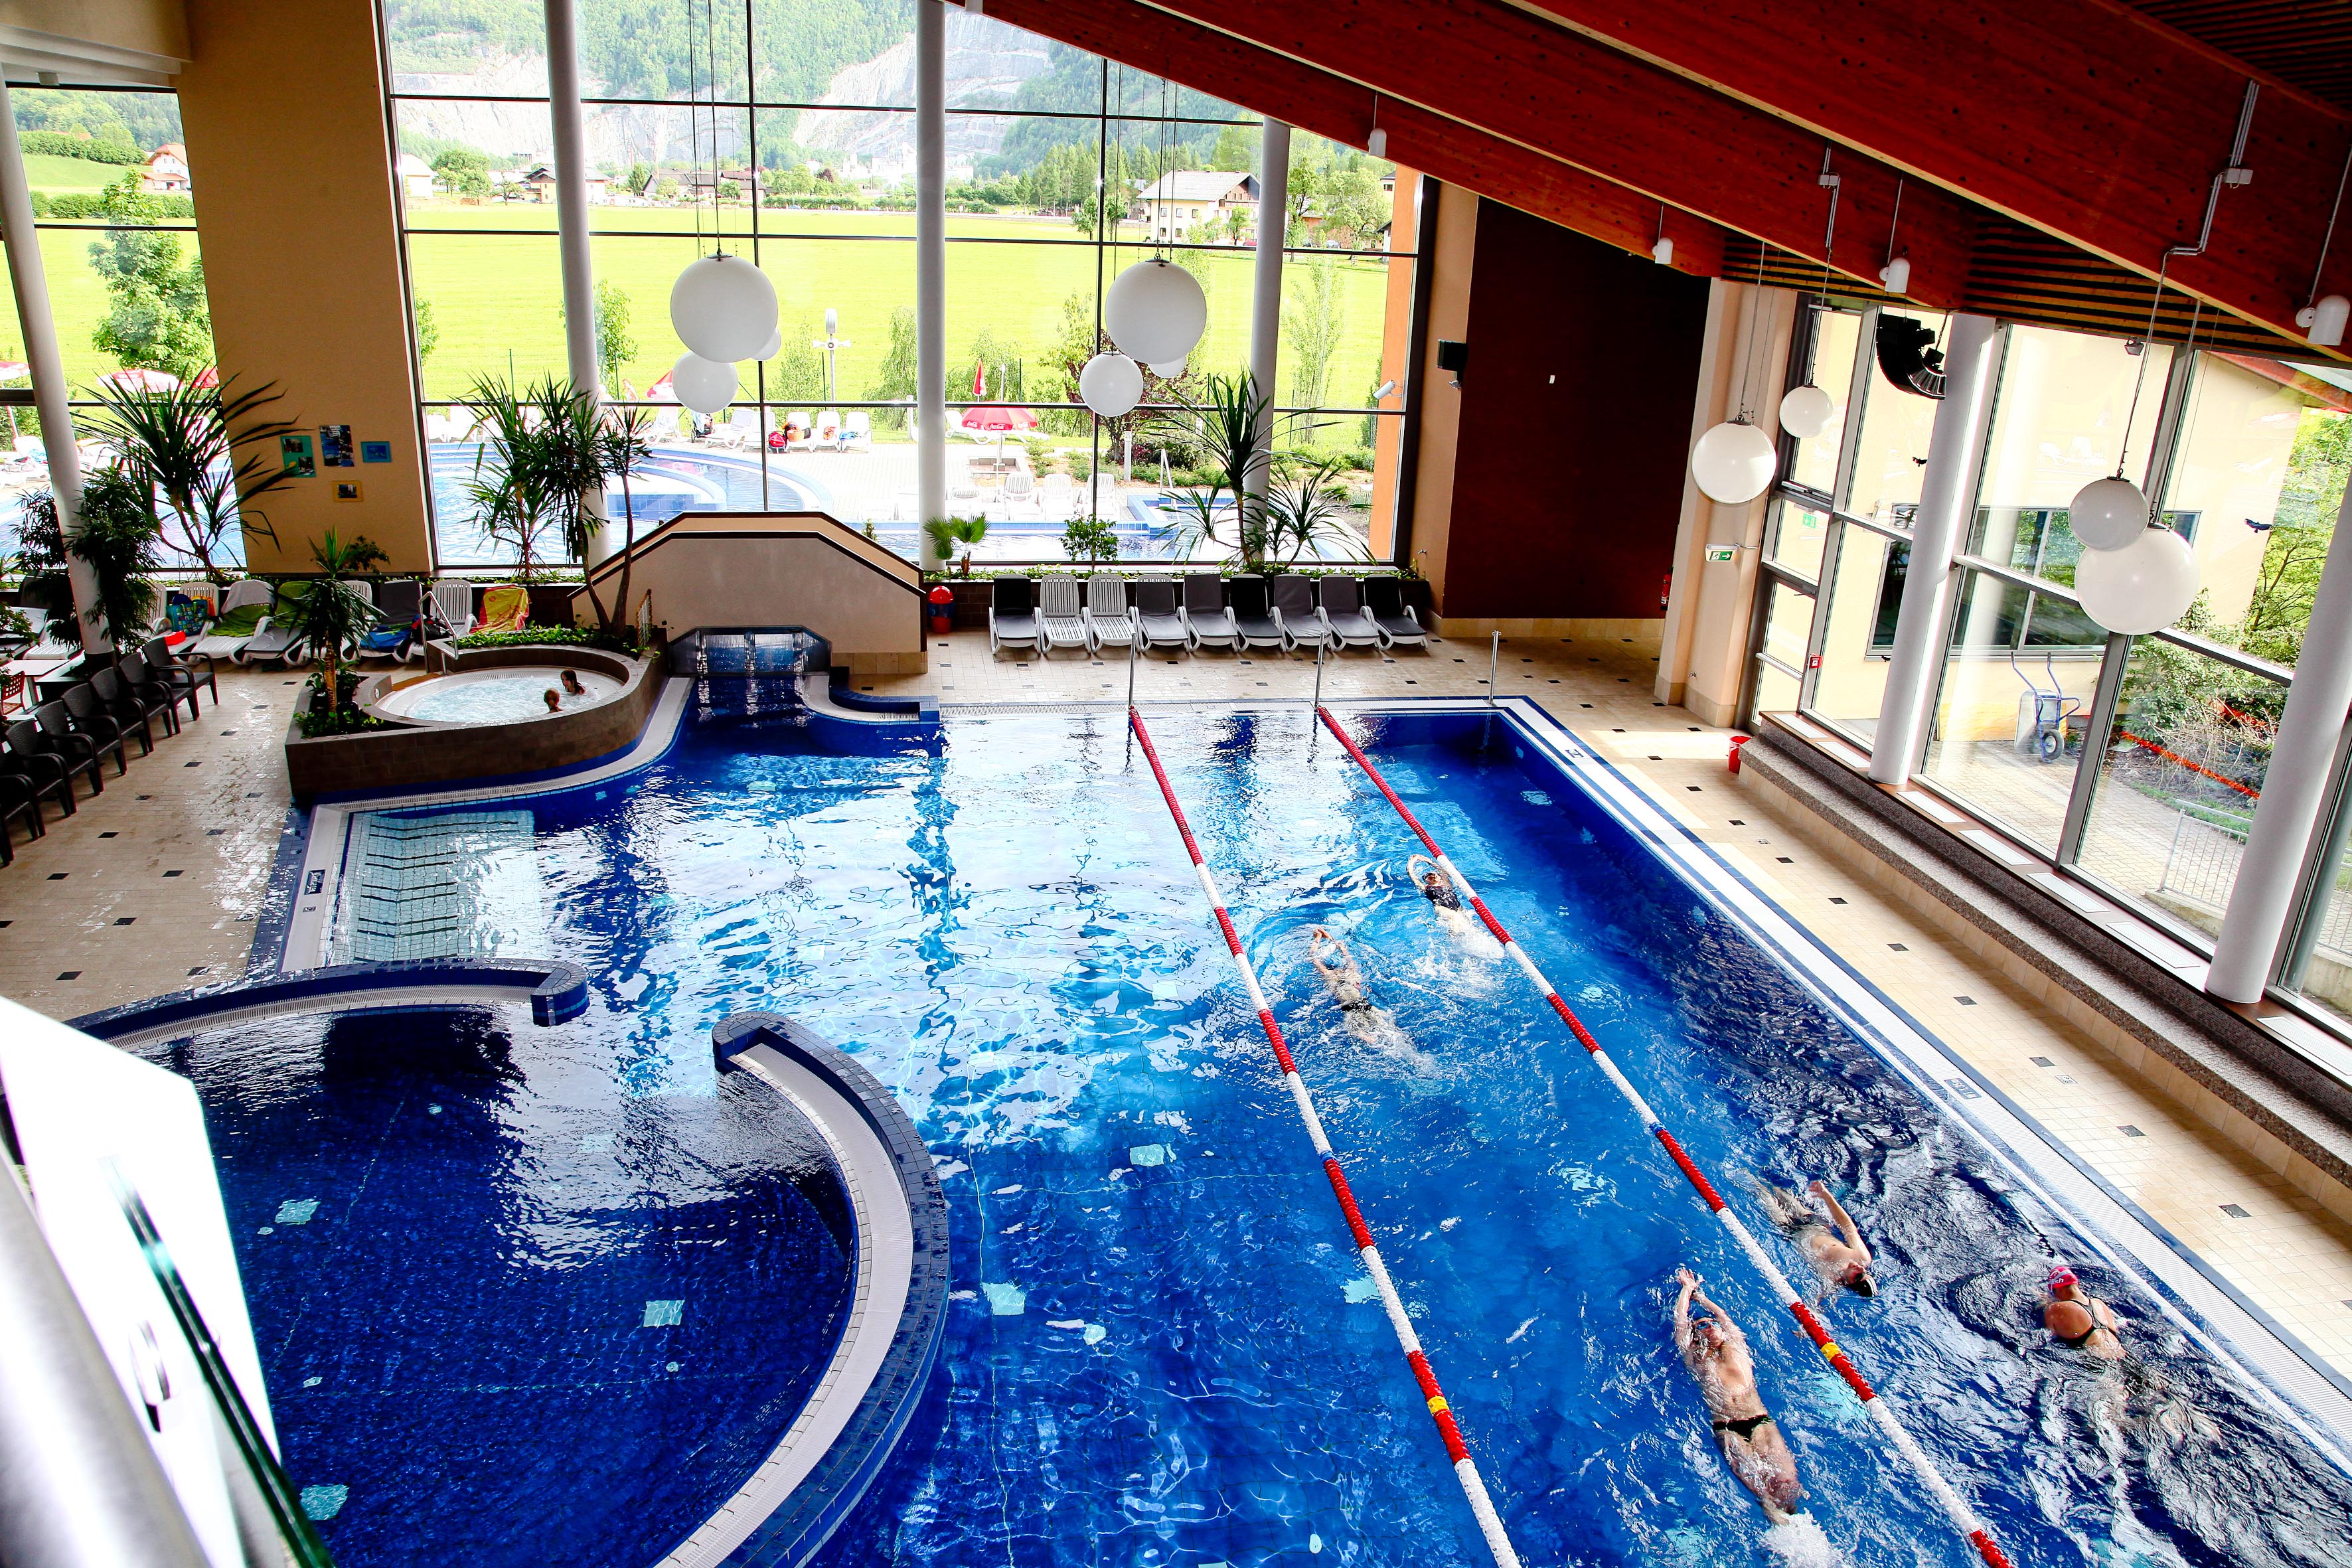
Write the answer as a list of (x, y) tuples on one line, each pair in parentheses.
[(415, 175), (1181, 199), (166, 169)]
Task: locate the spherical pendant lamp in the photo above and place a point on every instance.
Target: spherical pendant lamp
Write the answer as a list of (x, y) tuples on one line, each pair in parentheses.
[(2108, 514), (2142, 588), (775, 345), (1733, 462), (1155, 311), (1805, 413), (704, 385), (1111, 385), (1170, 370), (724, 307)]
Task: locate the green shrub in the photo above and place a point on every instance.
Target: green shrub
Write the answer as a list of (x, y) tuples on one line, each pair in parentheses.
[(58, 145), (554, 636)]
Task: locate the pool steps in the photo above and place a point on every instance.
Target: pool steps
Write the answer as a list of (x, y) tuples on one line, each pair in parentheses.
[(1956, 1508), (1466, 1468)]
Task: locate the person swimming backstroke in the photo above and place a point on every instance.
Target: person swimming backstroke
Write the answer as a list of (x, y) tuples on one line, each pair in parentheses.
[(1445, 898), (1716, 1353), (1840, 1256)]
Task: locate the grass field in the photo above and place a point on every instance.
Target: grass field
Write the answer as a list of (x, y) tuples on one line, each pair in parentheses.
[(496, 298), (48, 171)]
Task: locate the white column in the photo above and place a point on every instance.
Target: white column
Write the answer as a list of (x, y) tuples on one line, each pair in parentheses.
[(1266, 306), (931, 269), (1944, 501), (571, 222), (2294, 786), (49, 394)]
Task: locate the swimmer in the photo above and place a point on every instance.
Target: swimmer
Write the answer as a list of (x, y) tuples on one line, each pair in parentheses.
[(2079, 1319), (1842, 1262), (1444, 901), (1339, 973), (1716, 1353), (554, 703), (572, 683)]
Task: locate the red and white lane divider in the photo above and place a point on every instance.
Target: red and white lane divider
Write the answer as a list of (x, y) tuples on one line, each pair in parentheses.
[(1963, 1517), (1466, 1468)]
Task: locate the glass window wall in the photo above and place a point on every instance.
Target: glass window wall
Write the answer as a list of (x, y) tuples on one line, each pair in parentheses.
[(1836, 336), (798, 147)]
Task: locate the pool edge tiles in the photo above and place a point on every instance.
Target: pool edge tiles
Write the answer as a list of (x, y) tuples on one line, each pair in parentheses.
[(820, 1469), (2234, 1329)]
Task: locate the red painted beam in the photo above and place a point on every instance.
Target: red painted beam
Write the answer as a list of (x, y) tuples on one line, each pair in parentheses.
[(1327, 105), (2085, 119), (1488, 63)]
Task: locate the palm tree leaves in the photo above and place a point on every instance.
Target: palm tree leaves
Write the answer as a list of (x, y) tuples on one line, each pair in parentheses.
[(195, 448)]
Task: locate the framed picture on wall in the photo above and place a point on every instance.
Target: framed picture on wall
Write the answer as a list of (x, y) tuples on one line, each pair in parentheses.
[(294, 456), (347, 489), (375, 451), (335, 446)]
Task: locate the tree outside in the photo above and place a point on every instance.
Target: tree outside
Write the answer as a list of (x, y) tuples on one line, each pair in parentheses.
[(158, 316)]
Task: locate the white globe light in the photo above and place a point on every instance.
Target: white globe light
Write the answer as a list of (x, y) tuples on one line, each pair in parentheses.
[(2143, 587), (2108, 514), (1169, 370), (775, 345), (1155, 311), (704, 385), (1805, 412), (1111, 383), (724, 307), (1733, 462)]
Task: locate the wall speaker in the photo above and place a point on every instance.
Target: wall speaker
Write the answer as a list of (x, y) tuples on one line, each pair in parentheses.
[(1454, 357)]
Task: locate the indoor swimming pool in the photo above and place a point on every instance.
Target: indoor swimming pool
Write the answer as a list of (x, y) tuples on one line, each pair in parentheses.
[(1160, 1349)]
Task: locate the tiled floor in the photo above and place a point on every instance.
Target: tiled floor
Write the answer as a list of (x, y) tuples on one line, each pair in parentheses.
[(218, 824)]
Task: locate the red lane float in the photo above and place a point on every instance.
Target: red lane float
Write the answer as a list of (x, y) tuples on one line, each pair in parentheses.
[(1466, 1470), (1954, 1507)]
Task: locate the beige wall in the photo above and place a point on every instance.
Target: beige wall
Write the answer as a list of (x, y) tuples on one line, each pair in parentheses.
[(145, 27), (1703, 653), (284, 113), (1451, 260), (1396, 348)]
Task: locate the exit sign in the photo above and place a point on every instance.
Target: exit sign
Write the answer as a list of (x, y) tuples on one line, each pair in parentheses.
[(1722, 552)]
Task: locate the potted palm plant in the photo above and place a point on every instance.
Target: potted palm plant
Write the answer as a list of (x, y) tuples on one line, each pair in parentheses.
[(203, 452), (512, 503), (331, 619), (1229, 430), (1302, 508), (947, 532)]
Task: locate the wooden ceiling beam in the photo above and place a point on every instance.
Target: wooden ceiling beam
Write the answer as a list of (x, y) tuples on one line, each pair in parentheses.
[(1489, 64), (1316, 101), (2086, 120)]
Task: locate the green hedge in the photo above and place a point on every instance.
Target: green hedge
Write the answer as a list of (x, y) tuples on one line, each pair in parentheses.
[(58, 145), (92, 203), (553, 636)]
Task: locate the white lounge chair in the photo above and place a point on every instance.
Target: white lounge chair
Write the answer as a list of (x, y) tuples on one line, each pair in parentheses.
[(856, 431), (453, 602), (803, 428), (1341, 611), (829, 430), (248, 593), (1107, 615), (1062, 620)]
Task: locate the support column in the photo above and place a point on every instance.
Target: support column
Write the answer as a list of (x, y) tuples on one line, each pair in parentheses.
[(50, 394), (2294, 787), (1265, 308), (931, 271), (1944, 499), (571, 229)]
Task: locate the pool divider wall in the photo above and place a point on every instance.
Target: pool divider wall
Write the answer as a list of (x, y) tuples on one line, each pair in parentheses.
[(556, 992), (806, 1517), (414, 754)]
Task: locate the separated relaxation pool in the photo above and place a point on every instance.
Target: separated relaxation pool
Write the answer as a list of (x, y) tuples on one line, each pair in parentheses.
[(1160, 1348), (496, 696)]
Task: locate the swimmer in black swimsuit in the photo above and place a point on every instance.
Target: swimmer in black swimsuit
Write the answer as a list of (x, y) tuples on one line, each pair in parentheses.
[(1336, 965), (2079, 1319), (1716, 1353), (1445, 901)]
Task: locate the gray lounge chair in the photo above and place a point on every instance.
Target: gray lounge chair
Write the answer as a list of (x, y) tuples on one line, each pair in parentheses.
[(1252, 622), (1341, 611), (1205, 612), (1012, 614), (1384, 600), (1061, 617), (1107, 617), (1293, 600), (1156, 612), (280, 637)]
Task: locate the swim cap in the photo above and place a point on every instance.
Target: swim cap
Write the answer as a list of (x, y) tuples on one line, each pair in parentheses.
[(2062, 1277)]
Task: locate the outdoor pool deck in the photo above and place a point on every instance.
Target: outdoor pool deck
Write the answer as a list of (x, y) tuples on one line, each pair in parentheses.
[(217, 823)]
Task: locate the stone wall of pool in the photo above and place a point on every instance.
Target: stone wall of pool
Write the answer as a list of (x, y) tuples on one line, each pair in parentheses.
[(414, 754)]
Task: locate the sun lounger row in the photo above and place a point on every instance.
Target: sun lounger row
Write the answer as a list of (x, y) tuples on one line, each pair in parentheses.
[(95, 718), (259, 622), (1200, 610)]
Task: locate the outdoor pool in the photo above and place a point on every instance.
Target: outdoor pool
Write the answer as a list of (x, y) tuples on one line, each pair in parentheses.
[(1160, 1349)]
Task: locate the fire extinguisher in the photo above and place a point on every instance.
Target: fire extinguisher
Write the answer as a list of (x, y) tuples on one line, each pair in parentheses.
[(942, 609)]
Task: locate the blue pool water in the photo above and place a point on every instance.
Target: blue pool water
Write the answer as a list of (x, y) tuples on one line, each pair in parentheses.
[(506, 1315), (1160, 1349)]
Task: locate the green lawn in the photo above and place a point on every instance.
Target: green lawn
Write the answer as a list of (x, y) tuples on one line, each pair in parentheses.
[(48, 171), (497, 297)]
